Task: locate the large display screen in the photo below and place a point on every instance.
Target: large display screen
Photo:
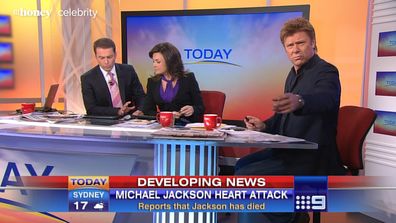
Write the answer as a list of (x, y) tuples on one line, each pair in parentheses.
[(235, 51)]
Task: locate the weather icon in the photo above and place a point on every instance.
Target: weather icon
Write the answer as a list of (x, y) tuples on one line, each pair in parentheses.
[(99, 206)]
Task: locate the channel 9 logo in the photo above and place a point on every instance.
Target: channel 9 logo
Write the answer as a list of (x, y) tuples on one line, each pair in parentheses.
[(310, 194), (310, 203)]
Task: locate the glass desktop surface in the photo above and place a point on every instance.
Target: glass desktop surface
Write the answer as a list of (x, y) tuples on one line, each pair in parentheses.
[(82, 128), (86, 129)]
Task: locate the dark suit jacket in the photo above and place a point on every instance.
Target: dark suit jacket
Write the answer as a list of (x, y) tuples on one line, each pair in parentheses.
[(96, 94), (188, 94), (318, 83)]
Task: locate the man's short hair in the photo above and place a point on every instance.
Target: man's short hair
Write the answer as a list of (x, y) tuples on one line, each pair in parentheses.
[(104, 43), (297, 25)]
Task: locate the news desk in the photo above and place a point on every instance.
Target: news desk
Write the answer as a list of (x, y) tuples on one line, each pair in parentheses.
[(91, 148)]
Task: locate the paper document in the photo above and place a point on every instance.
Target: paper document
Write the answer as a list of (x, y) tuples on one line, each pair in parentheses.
[(50, 117), (188, 133), (138, 123), (34, 117), (10, 117), (57, 115), (200, 125), (250, 135)]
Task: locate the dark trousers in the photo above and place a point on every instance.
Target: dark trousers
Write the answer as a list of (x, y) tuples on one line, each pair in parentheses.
[(266, 163)]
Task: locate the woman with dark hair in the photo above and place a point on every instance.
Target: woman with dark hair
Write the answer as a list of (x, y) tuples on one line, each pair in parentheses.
[(172, 88)]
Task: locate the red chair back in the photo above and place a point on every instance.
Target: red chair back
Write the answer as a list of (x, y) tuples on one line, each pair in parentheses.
[(214, 102), (353, 125)]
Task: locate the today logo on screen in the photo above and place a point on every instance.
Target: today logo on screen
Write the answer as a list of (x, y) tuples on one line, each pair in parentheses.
[(208, 56)]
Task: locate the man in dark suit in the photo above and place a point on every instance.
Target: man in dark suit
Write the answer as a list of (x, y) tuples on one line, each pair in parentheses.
[(110, 88), (308, 109)]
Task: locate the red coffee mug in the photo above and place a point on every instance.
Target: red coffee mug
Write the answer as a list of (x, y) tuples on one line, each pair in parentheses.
[(211, 121), (166, 119), (27, 107)]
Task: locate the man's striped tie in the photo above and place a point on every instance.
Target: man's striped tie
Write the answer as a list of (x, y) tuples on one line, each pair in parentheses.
[(114, 91)]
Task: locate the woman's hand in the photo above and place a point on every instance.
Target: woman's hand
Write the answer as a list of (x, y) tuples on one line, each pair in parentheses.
[(187, 110), (176, 114)]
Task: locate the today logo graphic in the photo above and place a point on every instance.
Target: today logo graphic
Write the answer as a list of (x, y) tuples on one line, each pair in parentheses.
[(208, 56)]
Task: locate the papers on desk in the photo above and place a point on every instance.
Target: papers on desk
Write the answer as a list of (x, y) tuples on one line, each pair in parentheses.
[(34, 118), (138, 123), (57, 115), (254, 136), (189, 133), (50, 117), (200, 125), (10, 117)]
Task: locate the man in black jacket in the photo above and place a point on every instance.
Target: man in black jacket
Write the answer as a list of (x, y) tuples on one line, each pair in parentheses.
[(110, 88), (308, 109)]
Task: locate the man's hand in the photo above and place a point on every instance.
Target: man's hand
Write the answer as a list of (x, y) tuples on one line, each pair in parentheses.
[(125, 109), (137, 113), (286, 103), (254, 123)]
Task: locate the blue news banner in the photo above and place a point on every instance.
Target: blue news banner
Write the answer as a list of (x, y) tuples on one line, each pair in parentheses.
[(308, 194)]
